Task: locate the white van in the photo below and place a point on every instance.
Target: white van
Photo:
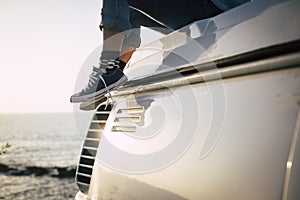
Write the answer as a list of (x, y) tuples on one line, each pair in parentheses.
[(210, 112)]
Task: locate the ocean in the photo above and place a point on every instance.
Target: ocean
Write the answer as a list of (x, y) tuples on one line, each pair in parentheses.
[(41, 157)]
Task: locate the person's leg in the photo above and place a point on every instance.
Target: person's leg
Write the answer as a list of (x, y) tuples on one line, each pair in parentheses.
[(112, 44), (163, 16), (137, 19), (126, 54), (115, 20), (175, 14)]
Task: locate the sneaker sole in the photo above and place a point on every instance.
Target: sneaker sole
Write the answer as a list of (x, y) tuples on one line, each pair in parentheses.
[(91, 105), (97, 94)]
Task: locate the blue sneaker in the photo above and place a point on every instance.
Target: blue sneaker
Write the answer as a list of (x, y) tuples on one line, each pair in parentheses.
[(99, 84)]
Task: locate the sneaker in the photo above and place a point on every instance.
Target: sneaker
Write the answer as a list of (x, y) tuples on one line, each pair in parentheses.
[(99, 84)]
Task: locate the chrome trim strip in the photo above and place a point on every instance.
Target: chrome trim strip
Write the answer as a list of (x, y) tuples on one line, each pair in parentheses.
[(259, 54), (89, 148), (92, 139), (94, 130), (291, 158), (87, 166), (86, 175), (131, 110), (88, 157), (101, 112), (123, 129), (270, 64), (130, 118), (98, 121)]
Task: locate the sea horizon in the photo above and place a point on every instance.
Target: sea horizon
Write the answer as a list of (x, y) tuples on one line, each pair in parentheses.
[(43, 155)]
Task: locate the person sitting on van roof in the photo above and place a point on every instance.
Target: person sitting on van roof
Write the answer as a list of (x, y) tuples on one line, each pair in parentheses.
[(123, 19)]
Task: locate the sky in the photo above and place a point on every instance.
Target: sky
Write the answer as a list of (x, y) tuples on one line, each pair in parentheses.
[(43, 45)]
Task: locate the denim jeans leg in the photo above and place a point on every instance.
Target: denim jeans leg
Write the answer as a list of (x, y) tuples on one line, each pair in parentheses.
[(176, 13), (166, 15), (115, 15), (138, 19)]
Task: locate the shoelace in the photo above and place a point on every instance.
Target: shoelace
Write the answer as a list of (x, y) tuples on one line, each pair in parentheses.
[(110, 64), (96, 75), (106, 88), (94, 78)]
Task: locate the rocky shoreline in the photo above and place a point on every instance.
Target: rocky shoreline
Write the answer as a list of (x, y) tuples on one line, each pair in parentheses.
[(37, 188), (61, 172), (35, 183)]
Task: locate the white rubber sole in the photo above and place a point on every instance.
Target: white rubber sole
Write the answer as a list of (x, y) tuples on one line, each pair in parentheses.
[(96, 95)]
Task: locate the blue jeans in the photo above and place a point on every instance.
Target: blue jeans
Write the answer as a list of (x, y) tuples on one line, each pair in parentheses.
[(125, 15)]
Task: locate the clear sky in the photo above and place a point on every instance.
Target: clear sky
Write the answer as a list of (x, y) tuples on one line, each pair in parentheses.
[(43, 44)]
